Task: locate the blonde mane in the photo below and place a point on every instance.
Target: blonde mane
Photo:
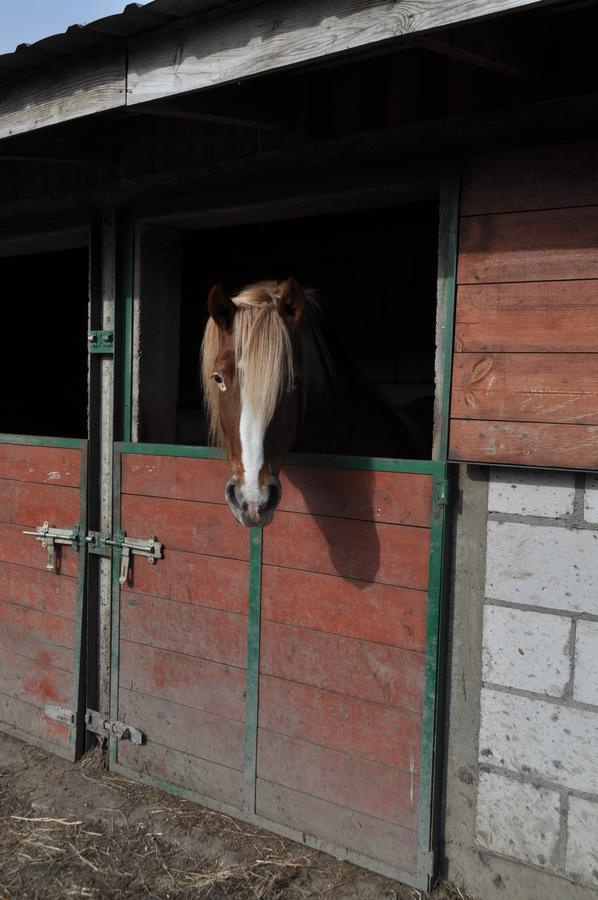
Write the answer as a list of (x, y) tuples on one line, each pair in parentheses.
[(264, 355)]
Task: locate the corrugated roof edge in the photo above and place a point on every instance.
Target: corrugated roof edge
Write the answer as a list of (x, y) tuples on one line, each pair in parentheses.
[(133, 20)]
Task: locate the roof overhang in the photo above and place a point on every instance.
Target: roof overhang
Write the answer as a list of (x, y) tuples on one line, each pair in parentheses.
[(198, 44)]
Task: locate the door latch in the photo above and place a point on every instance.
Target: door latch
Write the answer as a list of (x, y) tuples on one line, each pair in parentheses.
[(51, 537), (106, 727), (150, 548)]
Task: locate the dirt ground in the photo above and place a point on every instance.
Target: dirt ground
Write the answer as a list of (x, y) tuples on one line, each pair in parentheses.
[(78, 831)]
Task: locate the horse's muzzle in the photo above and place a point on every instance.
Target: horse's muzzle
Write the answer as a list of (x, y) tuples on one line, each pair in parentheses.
[(254, 514)]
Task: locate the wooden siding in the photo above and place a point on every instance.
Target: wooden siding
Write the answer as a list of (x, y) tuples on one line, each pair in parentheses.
[(525, 372), (37, 607), (342, 653)]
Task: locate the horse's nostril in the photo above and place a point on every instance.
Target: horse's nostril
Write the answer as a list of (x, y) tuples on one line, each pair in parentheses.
[(230, 494), (245, 506), (274, 493)]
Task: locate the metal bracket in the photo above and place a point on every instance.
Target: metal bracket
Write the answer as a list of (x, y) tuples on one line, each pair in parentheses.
[(50, 537), (60, 714), (96, 543), (151, 549), (441, 492), (101, 341), (105, 727)]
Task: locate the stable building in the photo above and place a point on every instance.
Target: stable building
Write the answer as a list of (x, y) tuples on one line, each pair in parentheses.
[(401, 669)]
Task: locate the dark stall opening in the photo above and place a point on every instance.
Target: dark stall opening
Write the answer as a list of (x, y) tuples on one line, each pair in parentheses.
[(375, 276), (43, 367)]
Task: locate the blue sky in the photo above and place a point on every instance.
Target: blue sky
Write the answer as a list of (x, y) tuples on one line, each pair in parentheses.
[(26, 21)]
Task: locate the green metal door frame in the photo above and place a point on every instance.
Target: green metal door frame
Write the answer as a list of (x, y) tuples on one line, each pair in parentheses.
[(447, 183), (429, 745)]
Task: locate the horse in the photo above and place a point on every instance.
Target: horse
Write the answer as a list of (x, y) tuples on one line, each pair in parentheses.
[(263, 357)]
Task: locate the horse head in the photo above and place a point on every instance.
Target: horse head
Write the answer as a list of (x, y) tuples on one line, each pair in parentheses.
[(262, 356)]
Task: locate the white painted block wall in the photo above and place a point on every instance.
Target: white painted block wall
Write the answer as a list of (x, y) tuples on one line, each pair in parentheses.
[(538, 746)]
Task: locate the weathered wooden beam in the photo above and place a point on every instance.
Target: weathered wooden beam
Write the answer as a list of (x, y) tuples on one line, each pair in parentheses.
[(176, 112), (59, 95), (439, 44), (279, 34), (26, 158)]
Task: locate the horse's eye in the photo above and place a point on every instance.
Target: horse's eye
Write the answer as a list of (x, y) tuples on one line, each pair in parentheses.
[(219, 381)]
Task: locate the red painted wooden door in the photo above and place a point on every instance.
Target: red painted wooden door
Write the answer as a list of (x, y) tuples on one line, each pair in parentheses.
[(280, 675), (41, 610), (343, 632), (183, 628)]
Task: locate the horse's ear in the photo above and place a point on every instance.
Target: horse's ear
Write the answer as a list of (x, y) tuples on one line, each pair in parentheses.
[(221, 307), (291, 302)]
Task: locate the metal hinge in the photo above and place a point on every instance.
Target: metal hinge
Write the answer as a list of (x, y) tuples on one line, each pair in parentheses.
[(50, 537), (101, 341), (150, 548), (61, 714), (106, 727), (441, 492)]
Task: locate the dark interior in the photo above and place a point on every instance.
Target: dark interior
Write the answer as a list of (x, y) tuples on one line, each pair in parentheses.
[(374, 273), (43, 366)]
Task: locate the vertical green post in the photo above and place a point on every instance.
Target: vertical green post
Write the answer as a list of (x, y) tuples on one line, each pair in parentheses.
[(253, 668), (448, 233), (115, 606), (433, 671)]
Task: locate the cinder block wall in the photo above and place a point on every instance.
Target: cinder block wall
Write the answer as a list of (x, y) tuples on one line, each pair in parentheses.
[(537, 794)]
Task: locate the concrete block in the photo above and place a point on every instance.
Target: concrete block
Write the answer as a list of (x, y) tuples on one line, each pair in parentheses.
[(540, 740), (526, 650), (518, 820), (547, 566), (585, 682), (590, 500), (531, 493), (582, 840)]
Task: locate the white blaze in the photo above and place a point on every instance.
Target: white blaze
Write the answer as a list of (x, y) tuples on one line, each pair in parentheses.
[(252, 432)]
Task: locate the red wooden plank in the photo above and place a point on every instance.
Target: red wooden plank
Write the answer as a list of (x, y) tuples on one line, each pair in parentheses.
[(37, 635), (534, 178), (395, 497), (18, 639), (186, 771), (175, 477), (193, 731), (19, 548), (384, 734), (205, 685), (191, 578), (549, 317), (182, 525), (30, 505), (36, 589), (54, 629), (526, 387), (193, 630), (381, 613), (359, 784), (355, 668), (53, 465), (34, 682), (380, 840), (544, 245), (525, 444), (368, 551), (17, 714)]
